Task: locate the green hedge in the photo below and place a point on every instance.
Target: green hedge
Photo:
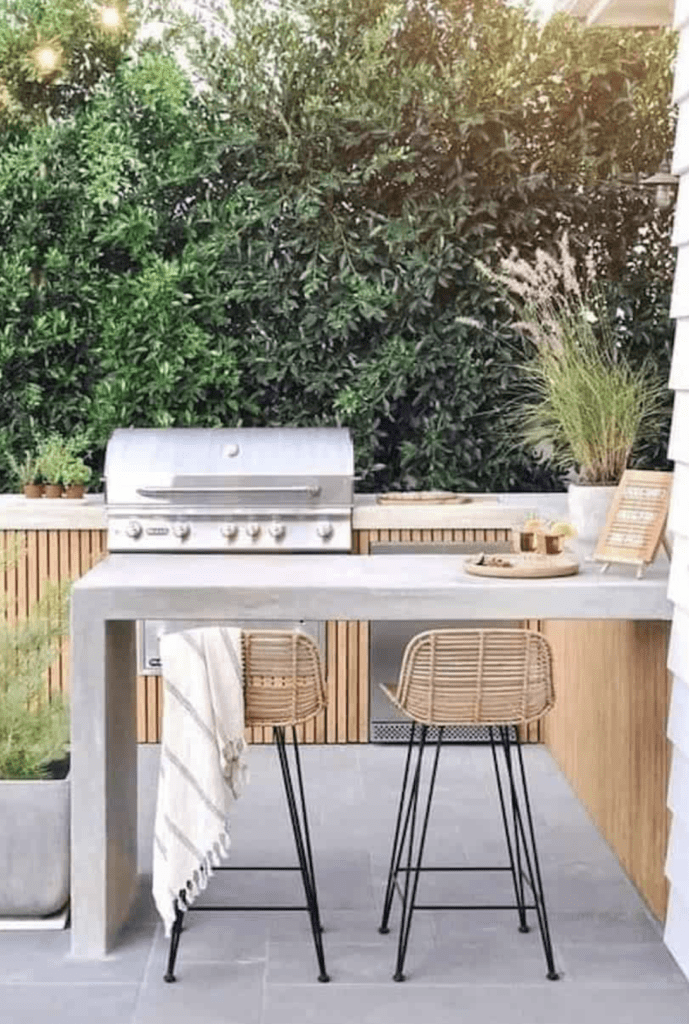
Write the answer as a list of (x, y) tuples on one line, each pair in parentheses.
[(296, 245)]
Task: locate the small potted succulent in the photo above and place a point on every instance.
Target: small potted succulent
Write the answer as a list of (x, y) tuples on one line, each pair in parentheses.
[(28, 474), (75, 475)]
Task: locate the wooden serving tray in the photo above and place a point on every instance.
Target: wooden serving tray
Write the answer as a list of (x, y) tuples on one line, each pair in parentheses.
[(524, 566), (433, 497)]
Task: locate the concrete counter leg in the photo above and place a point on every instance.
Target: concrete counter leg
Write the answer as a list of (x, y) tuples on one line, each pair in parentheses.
[(103, 772)]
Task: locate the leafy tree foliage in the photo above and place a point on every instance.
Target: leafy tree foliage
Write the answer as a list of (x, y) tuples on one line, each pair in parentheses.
[(278, 222)]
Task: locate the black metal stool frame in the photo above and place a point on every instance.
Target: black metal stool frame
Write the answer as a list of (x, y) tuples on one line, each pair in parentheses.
[(520, 842), (302, 841)]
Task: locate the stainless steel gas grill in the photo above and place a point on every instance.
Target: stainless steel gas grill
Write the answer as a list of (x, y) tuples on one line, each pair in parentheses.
[(267, 489)]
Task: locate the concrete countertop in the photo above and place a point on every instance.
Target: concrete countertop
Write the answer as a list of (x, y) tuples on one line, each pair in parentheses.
[(487, 511), (359, 587), (501, 512), (20, 513)]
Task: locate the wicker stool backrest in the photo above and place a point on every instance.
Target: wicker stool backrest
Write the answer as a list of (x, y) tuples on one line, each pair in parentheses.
[(283, 677), (476, 676)]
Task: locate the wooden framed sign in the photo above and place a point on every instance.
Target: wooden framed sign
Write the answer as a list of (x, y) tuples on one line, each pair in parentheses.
[(635, 526)]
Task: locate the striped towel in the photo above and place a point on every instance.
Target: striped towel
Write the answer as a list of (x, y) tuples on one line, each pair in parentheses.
[(202, 766)]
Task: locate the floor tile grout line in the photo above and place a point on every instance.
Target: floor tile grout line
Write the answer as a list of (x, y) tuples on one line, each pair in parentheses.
[(147, 969), (264, 979)]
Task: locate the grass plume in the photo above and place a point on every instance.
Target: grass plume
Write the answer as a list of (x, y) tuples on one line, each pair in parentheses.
[(591, 406)]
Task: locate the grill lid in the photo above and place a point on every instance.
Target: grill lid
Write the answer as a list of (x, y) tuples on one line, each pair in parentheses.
[(280, 467)]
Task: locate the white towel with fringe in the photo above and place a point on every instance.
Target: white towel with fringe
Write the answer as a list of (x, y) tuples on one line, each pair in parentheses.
[(202, 761)]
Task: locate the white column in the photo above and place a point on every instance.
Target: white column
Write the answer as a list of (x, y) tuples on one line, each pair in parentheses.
[(677, 866)]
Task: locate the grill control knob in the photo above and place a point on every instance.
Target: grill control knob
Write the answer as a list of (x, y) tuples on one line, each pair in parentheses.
[(324, 530), (134, 529), (229, 531), (181, 530), (277, 530), (252, 530)]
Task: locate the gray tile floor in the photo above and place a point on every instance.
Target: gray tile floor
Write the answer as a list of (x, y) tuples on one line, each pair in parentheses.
[(473, 968)]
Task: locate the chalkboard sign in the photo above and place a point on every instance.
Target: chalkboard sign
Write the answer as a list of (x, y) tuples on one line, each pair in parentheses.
[(635, 526)]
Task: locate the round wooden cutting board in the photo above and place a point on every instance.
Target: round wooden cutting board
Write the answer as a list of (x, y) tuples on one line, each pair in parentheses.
[(524, 566)]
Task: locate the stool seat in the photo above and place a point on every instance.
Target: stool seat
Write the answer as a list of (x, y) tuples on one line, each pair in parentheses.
[(475, 677), (284, 686), (500, 678)]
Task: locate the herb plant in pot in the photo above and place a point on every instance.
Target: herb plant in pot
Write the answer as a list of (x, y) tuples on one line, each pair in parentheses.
[(53, 454), (28, 474), (34, 763), (591, 407), (75, 475)]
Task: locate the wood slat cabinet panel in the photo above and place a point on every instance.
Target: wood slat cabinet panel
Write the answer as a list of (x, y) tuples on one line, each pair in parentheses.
[(346, 719), (607, 733)]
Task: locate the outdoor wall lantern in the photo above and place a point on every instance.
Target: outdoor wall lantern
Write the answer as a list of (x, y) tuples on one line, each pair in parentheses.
[(664, 183)]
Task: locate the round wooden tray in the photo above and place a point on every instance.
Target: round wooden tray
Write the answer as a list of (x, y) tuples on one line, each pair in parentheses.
[(525, 566)]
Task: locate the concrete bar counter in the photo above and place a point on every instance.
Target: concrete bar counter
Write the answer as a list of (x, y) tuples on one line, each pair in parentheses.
[(123, 588)]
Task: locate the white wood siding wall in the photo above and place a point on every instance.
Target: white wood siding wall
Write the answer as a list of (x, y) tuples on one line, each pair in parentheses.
[(677, 866)]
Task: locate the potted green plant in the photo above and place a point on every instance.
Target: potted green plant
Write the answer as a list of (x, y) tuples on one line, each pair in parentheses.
[(28, 474), (591, 407), (34, 763), (53, 454), (75, 475)]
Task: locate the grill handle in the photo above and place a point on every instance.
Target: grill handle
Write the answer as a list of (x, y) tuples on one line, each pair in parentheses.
[(313, 490)]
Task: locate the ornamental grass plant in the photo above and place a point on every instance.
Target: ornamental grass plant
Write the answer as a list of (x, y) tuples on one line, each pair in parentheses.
[(592, 408), (34, 731)]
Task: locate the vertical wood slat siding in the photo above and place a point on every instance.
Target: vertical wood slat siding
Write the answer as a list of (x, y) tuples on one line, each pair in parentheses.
[(44, 557)]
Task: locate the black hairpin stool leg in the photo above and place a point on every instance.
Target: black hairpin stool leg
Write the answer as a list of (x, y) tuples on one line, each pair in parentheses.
[(307, 831), (398, 840), (411, 887), (303, 846), (513, 852), (530, 850), (174, 942)]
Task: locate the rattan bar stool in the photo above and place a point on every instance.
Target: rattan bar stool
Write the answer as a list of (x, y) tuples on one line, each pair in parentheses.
[(500, 678), (283, 687)]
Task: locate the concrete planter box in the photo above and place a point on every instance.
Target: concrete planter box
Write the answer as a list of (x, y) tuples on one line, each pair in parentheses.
[(34, 847)]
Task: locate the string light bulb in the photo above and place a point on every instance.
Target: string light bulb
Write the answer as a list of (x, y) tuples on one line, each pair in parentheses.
[(110, 19), (47, 59)]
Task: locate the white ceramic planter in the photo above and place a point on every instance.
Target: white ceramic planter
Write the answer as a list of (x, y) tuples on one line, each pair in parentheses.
[(588, 509), (34, 847)]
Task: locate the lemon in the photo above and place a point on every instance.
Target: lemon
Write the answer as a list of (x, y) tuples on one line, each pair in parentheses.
[(563, 530)]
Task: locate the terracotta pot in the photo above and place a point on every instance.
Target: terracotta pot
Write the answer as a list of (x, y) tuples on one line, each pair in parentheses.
[(53, 490), (33, 490), (74, 491)]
